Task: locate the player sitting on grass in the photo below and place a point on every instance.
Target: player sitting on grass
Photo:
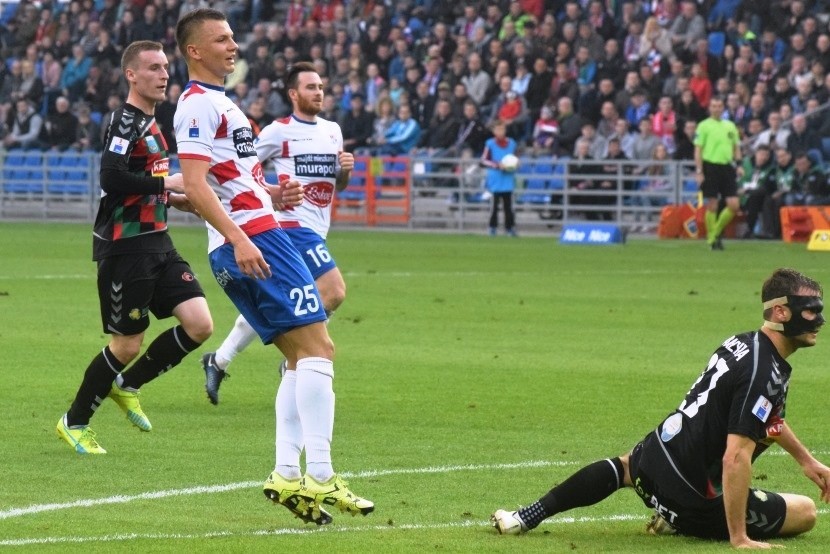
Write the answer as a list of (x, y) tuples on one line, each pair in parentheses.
[(695, 469)]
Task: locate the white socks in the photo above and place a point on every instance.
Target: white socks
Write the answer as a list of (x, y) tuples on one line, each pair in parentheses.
[(315, 407), (289, 429), (237, 340)]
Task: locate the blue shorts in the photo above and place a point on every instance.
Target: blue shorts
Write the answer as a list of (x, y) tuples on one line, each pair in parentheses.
[(287, 300), (312, 247)]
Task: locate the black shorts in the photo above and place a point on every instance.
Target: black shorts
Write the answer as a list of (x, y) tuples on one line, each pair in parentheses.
[(133, 285), (719, 181), (695, 516)]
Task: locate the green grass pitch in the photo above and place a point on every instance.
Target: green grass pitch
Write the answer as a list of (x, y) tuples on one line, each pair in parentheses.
[(472, 373)]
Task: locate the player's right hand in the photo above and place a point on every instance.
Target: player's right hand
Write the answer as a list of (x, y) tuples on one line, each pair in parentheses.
[(291, 194), (250, 261), (174, 183)]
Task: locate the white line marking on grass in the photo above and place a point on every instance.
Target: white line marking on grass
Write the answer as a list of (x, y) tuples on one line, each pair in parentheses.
[(209, 489), (314, 530), (46, 277)]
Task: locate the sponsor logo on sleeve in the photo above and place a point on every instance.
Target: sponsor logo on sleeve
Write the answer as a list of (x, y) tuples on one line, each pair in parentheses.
[(118, 145), (243, 141), (762, 408), (193, 128), (160, 168)]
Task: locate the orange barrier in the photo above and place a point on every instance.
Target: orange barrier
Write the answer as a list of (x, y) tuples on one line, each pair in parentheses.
[(684, 221), (799, 222), (379, 192)]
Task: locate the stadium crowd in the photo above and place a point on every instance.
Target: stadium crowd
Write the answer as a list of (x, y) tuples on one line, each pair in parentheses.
[(568, 77)]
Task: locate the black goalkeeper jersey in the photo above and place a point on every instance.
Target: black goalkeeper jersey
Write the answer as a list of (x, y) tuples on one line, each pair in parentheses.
[(743, 387), (132, 215)]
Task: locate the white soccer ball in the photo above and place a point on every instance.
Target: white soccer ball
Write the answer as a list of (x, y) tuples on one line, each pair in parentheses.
[(509, 162)]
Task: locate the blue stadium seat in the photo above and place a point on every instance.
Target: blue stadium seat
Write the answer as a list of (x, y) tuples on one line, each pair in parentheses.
[(15, 158)]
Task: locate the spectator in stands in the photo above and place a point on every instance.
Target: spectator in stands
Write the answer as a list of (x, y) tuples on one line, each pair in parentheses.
[(477, 81), (545, 133), (564, 84), (357, 125), (164, 115), (608, 119), (804, 139), (625, 136), (644, 142), (587, 38), (26, 127), (422, 104), (401, 136), (809, 183), (256, 114), (75, 72), (500, 182), (778, 186), (700, 85), (442, 131), (688, 108), (88, 135), (61, 127), (570, 126), (511, 109), (584, 173), (775, 136), (96, 89), (638, 108), (753, 187), (597, 145), (611, 65), (655, 42), (804, 91), (782, 91), (472, 133), (30, 85), (685, 141), (664, 123), (687, 28)]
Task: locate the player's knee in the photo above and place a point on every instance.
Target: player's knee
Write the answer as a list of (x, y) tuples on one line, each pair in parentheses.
[(199, 330), (334, 297), (126, 349), (807, 513), (801, 514)]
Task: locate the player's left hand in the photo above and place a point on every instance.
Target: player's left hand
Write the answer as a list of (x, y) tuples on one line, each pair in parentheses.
[(346, 160), (819, 474)]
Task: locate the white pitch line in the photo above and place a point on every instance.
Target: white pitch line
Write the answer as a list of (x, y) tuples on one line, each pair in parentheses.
[(209, 489), (120, 537), (298, 531)]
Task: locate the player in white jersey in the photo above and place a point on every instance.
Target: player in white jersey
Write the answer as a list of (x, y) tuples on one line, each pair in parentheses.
[(308, 149), (223, 180)]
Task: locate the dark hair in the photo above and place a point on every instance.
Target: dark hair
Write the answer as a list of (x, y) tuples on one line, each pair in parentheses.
[(293, 77), (190, 20), (132, 51), (785, 281)]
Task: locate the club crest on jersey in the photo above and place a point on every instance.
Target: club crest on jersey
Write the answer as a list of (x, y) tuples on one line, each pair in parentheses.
[(315, 165), (152, 145), (319, 193), (243, 141), (762, 408), (118, 145), (193, 128)]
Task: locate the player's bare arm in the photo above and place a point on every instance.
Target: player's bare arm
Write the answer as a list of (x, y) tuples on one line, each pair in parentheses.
[(816, 471), (248, 257), (174, 183), (346, 160), (181, 203), (737, 476)]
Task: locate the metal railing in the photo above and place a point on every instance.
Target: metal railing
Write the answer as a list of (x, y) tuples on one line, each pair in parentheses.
[(445, 193)]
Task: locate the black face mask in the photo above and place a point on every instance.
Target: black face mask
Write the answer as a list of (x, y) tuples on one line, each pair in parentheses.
[(797, 325)]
